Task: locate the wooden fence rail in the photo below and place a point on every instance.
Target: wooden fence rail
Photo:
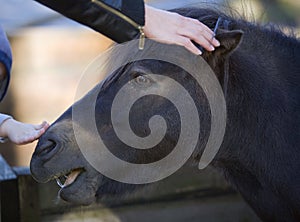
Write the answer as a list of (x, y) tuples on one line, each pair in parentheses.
[(188, 196)]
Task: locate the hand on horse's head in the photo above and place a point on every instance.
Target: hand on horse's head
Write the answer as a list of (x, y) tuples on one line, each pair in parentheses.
[(172, 28)]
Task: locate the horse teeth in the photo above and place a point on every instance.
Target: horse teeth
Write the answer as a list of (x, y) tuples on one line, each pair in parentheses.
[(67, 179), (59, 183)]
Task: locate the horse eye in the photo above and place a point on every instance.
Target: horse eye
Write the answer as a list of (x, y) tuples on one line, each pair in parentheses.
[(142, 80)]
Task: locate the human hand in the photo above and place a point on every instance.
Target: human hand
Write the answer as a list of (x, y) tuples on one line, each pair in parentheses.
[(172, 28), (22, 133)]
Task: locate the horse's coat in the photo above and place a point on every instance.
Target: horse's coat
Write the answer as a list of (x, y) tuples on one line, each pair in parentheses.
[(260, 152)]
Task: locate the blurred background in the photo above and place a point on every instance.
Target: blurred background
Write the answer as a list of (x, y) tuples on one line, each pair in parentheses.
[(51, 52), (50, 55)]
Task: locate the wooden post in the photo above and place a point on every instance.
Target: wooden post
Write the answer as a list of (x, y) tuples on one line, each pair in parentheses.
[(9, 196), (28, 195), (18, 194)]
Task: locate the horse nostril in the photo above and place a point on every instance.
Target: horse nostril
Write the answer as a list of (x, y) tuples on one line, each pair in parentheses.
[(46, 148)]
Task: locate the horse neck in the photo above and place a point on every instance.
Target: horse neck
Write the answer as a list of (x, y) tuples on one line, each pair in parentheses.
[(263, 73), (269, 47)]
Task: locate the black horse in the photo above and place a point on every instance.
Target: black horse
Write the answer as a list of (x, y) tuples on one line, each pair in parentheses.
[(260, 152)]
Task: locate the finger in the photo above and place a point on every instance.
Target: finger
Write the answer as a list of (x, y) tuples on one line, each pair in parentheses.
[(199, 29), (44, 124), (35, 136), (206, 40), (199, 26), (201, 40), (39, 133), (25, 140), (187, 43), (215, 42), (203, 26), (200, 36), (39, 126), (211, 38)]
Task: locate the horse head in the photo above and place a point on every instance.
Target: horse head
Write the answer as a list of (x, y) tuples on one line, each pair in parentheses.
[(58, 154)]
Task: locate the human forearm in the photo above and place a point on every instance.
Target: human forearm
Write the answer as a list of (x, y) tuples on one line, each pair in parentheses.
[(101, 19)]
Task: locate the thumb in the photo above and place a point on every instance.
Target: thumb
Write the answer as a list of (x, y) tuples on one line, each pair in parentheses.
[(44, 125)]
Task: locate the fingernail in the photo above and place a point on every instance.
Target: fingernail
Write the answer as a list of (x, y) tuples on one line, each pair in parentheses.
[(199, 52), (212, 48), (217, 43)]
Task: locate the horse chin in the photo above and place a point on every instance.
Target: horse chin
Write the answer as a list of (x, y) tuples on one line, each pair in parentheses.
[(82, 190)]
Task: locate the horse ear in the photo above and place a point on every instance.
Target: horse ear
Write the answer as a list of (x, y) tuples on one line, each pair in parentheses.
[(229, 41)]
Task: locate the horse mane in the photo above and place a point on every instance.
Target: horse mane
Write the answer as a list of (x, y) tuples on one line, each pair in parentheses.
[(209, 16)]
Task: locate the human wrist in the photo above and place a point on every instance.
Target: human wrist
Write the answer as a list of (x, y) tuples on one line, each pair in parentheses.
[(150, 13), (5, 125), (150, 19)]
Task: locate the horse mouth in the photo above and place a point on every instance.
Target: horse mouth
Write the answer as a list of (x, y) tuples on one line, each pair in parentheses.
[(69, 178), (76, 187)]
